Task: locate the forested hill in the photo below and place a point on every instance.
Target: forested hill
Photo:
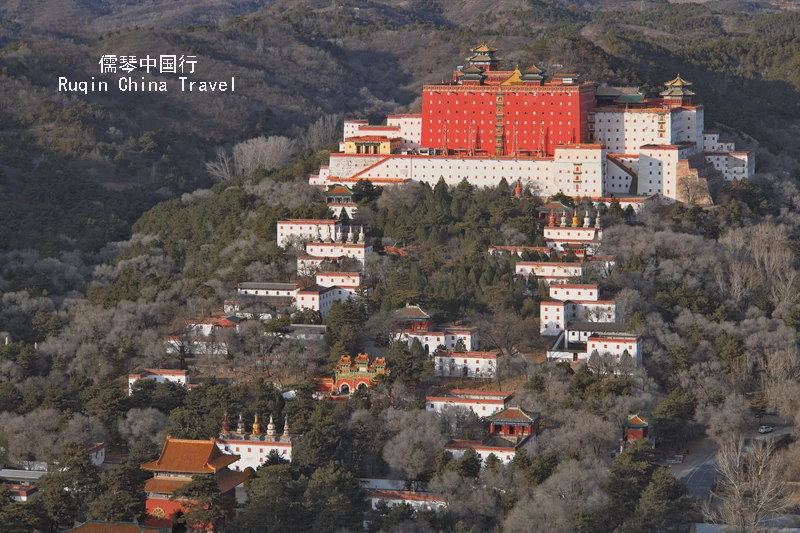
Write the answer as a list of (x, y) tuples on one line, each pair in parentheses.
[(91, 164)]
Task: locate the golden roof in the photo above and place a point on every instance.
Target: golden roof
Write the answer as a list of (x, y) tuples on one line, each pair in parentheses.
[(190, 456), (483, 48), (678, 82), (514, 79)]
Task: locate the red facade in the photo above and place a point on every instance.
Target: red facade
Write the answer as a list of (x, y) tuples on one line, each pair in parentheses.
[(502, 120)]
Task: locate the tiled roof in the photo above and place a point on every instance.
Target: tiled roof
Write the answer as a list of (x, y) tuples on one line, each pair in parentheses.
[(308, 221), (226, 480), (468, 355), (340, 189), (159, 372), (164, 485), (113, 527), (472, 68), (404, 495), (412, 311), (268, 285), (190, 456), (229, 479), (677, 82), (514, 415), (483, 47), (636, 421)]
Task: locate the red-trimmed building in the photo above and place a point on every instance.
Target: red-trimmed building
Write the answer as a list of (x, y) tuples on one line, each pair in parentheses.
[(341, 197), (473, 365), (23, 493), (180, 459), (160, 375), (203, 336), (253, 448), (419, 501), (482, 403), (484, 110), (635, 427), (305, 229), (512, 430), (551, 135), (418, 324)]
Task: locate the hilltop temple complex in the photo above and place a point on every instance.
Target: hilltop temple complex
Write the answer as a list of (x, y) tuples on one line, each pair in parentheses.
[(551, 134)]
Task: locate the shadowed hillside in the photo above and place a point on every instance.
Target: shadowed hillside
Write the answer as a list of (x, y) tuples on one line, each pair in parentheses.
[(297, 61)]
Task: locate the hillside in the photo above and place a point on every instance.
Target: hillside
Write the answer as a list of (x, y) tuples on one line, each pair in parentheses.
[(296, 61)]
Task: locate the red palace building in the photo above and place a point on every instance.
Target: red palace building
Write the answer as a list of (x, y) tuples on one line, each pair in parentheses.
[(180, 459), (486, 111)]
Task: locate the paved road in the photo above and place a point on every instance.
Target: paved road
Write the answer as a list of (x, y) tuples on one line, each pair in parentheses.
[(698, 470), (700, 478)]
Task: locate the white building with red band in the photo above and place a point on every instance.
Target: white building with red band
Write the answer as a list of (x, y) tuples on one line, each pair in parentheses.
[(482, 403), (472, 365)]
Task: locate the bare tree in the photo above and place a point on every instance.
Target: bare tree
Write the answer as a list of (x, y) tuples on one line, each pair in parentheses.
[(417, 437), (750, 487), (728, 419), (265, 153), (325, 131), (138, 423), (222, 167), (579, 434), (691, 190), (575, 486)]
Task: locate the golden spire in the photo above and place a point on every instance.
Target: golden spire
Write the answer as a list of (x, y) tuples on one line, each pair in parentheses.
[(256, 429), (575, 221)]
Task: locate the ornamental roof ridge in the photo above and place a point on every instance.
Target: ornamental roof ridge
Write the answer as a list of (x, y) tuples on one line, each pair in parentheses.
[(483, 48)]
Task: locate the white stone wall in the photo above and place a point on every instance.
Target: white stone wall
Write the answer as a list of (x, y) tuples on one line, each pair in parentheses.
[(618, 181), (304, 229), (565, 271), (351, 127), (615, 346), (335, 250), (431, 340), (158, 378), (624, 132), (574, 292), (253, 453), (340, 279), (544, 176), (417, 502), (410, 129), (462, 365), (348, 165), (551, 318), (267, 292), (557, 233), (482, 408)]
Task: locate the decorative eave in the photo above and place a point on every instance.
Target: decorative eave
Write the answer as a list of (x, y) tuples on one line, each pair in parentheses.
[(636, 422), (678, 82), (676, 91), (514, 415), (483, 48)]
